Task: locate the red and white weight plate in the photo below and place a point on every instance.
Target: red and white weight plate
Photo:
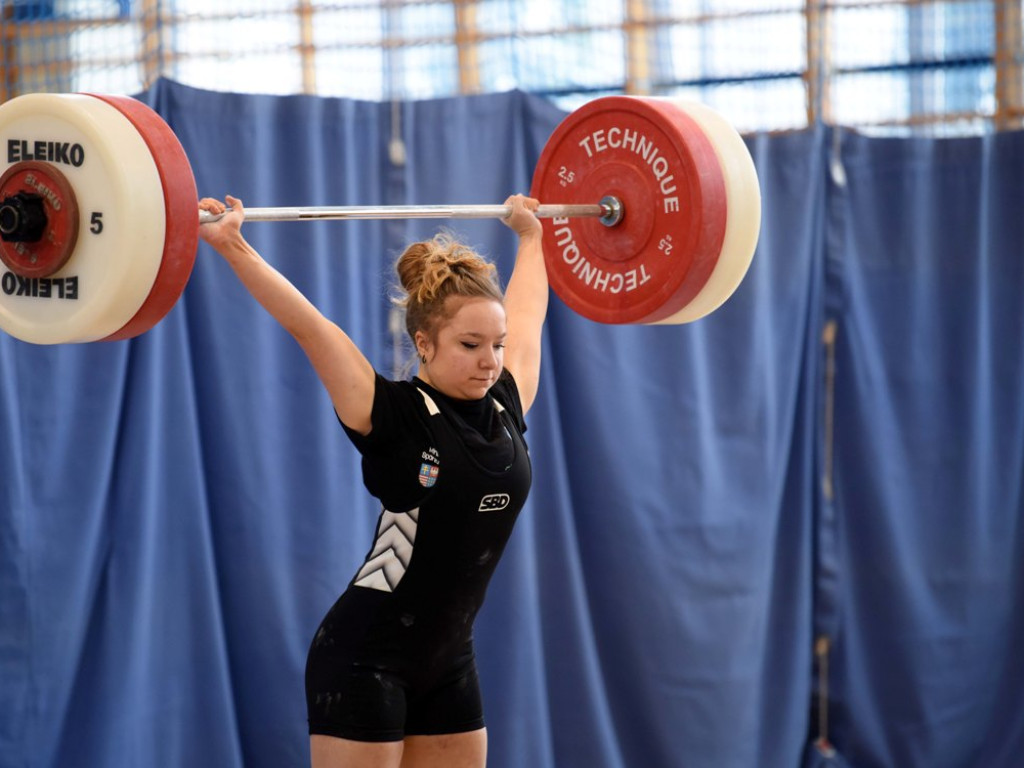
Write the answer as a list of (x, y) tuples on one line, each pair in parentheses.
[(138, 223), (685, 186), (657, 161)]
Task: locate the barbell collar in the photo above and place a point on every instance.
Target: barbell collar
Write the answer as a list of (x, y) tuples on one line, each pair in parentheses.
[(608, 210), (22, 218)]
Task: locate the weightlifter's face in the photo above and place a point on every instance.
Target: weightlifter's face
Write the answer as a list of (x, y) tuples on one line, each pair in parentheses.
[(466, 356)]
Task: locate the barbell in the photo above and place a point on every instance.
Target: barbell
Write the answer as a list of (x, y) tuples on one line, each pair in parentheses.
[(657, 218)]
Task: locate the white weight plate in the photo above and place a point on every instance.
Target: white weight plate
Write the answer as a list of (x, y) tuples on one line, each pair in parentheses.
[(743, 220), (122, 218)]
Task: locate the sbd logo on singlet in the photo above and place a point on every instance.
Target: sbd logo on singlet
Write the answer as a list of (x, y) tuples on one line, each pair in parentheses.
[(494, 502)]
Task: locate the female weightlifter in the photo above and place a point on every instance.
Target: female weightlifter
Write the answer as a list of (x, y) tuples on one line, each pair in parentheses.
[(391, 680)]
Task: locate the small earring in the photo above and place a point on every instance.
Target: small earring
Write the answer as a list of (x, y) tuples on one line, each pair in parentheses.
[(423, 359)]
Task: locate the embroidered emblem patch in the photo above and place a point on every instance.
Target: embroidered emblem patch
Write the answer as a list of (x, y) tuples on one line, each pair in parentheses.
[(428, 474)]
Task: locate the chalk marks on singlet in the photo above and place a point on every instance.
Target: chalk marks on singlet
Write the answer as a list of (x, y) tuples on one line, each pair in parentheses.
[(392, 550)]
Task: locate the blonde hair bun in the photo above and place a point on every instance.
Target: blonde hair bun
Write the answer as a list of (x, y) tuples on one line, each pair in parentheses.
[(431, 271)]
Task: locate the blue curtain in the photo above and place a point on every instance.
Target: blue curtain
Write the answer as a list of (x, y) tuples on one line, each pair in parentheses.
[(178, 511), (926, 269)]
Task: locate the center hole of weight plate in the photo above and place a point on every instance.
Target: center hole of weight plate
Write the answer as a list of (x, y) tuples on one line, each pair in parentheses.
[(613, 210)]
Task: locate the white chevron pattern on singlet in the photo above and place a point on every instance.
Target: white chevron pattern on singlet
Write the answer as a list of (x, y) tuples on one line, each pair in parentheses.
[(392, 551)]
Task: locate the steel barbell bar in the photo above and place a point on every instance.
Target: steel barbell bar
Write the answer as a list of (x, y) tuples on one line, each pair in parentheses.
[(609, 212)]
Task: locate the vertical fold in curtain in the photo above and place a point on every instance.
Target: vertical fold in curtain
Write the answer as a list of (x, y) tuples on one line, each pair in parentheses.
[(925, 282)]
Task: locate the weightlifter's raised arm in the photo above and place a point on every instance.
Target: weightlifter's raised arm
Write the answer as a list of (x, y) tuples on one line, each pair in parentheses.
[(342, 367), (526, 299)]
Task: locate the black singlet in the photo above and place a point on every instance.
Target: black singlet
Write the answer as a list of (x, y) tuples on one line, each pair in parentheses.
[(452, 477)]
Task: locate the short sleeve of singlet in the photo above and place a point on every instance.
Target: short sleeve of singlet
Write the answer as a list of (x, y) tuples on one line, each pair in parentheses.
[(395, 417)]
